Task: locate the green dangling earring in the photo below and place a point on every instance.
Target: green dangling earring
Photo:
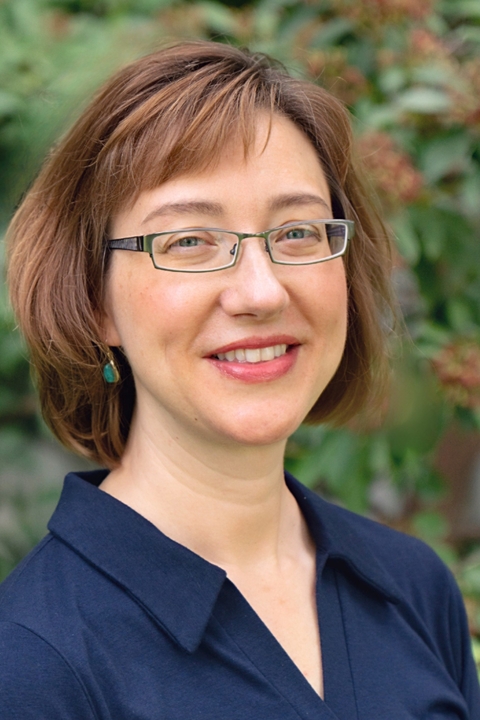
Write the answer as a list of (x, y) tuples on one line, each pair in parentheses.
[(110, 371)]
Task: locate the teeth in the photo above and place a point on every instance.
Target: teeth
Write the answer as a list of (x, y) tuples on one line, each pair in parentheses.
[(253, 355), (267, 353)]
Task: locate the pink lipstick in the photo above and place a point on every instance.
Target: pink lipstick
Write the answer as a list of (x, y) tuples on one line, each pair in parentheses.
[(256, 359)]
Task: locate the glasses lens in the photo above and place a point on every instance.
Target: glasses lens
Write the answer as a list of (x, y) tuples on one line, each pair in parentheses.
[(195, 249), (303, 243)]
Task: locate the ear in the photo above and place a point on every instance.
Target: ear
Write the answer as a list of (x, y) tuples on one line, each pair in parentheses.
[(107, 325), (110, 334)]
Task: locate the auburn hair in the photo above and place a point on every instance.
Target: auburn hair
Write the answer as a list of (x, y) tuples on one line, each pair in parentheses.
[(171, 112)]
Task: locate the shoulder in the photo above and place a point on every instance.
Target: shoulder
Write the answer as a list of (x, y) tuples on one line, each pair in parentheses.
[(417, 575), (36, 682), (32, 587), (47, 591), (409, 573), (409, 562), (402, 568), (404, 562), (46, 670), (368, 543)]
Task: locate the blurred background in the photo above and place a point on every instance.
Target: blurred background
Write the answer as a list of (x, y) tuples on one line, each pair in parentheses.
[(409, 71)]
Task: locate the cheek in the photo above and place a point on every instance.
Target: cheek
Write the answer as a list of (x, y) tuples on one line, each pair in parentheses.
[(331, 306), (126, 304), (145, 308), (342, 307), (331, 328)]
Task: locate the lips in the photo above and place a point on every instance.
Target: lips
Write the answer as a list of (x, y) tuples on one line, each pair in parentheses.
[(255, 359)]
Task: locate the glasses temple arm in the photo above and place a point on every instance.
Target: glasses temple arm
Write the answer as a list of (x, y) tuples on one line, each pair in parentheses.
[(129, 243)]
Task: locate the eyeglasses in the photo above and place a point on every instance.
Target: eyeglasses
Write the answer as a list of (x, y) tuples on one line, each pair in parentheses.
[(196, 250)]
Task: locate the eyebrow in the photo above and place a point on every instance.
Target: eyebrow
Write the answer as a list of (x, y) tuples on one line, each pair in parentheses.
[(207, 207), (285, 201), (189, 207)]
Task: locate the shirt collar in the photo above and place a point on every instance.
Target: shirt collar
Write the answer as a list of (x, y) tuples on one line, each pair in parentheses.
[(176, 587), (336, 533)]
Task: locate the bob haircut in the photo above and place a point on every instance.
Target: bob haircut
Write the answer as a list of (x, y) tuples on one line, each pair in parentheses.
[(167, 114)]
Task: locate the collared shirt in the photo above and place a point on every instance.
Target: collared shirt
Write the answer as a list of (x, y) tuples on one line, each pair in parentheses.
[(109, 619)]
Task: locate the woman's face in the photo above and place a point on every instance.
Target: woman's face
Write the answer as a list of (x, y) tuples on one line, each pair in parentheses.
[(176, 328)]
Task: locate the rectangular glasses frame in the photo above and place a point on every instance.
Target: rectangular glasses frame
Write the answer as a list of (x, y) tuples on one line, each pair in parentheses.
[(144, 243)]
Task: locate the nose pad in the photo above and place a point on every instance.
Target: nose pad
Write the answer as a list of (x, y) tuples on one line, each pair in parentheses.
[(254, 289), (265, 247), (241, 248)]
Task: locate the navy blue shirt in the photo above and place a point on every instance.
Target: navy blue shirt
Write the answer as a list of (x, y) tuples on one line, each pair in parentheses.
[(108, 619)]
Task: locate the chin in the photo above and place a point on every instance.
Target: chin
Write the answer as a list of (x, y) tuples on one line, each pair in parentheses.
[(258, 431)]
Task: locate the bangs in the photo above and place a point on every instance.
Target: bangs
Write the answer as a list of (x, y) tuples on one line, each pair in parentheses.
[(181, 130)]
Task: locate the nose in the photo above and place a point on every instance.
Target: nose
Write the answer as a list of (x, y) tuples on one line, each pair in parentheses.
[(254, 287)]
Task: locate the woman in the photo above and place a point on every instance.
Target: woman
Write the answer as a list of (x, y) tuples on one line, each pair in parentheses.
[(180, 272)]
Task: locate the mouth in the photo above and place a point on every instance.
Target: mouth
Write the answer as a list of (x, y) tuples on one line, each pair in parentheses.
[(257, 359), (253, 355)]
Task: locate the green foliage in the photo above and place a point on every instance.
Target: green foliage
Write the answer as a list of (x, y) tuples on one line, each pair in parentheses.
[(24, 516), (410, 73)]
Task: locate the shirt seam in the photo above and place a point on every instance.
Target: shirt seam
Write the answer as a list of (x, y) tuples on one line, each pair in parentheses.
[(350, 667), (457, 666), (14, 580), (260, 670), (64, 660)]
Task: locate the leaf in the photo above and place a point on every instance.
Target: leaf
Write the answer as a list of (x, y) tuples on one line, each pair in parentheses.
[(392, 79), (9, 103), (462, 8), (460, 316), (406, 238), (379, 451), (471, 191), (432, 74), (444, 155), (291, 24), (431, 225), (424, 101), (468, 34), (218, 17), (332, 32), (307, 469), (376, 117)]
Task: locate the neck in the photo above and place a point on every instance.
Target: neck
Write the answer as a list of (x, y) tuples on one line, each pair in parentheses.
[(228, 503)]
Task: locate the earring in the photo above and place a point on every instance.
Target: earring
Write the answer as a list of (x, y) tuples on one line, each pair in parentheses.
[(110, 371)]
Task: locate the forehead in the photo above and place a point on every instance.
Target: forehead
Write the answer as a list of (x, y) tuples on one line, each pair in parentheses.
[(279, 170)]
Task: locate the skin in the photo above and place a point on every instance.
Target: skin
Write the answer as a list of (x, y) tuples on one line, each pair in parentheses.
[(204, 459)]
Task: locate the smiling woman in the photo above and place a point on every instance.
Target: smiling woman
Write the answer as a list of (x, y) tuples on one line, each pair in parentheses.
[(197, 270), (258, 304)]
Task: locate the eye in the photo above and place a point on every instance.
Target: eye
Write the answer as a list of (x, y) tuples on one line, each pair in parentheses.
[(189, 241), (297, 233), (186, 242)]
